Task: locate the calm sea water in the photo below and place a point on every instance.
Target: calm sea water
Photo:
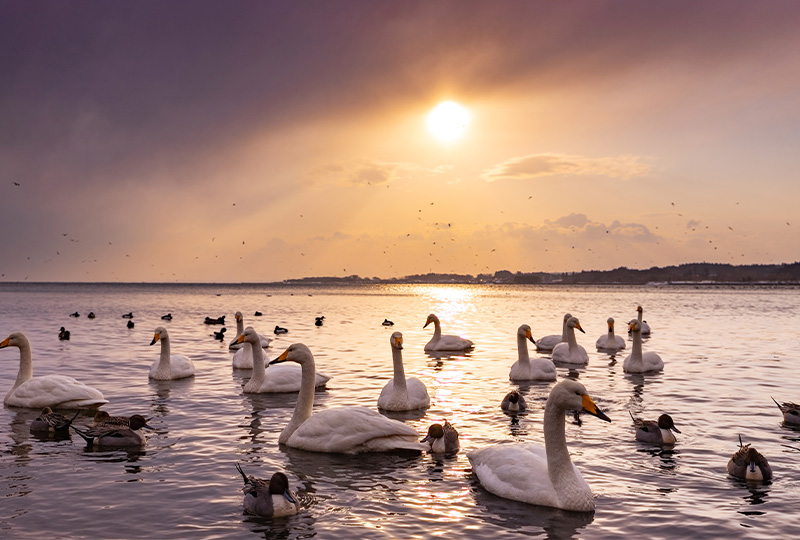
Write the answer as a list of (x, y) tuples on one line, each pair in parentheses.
[(727, 350)]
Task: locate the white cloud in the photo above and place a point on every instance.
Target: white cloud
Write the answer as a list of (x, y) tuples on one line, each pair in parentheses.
[(538, 165), (371, 172)]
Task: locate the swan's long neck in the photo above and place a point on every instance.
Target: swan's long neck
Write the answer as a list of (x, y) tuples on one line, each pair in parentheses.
[(163, 363), (305, 400), (25, 364), (564, 331), (639, 316), (522, 350), (399, 372), (636, 349), (259, 370), (239, 326), (612, 339), (559, 464), (573, 343), (437, 331)]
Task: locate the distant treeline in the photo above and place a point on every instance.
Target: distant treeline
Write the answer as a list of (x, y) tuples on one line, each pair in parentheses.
[(788, 273)]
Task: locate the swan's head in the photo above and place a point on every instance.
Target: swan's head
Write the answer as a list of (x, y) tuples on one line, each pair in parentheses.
[(610, 322), (572, 395), (573, 322), (634, 326), (524, 331), (250, 336), (160, 334), (567, 316), (396, 340), (17, 339), (639, 309), (431, 319), (137, 421), (665, 422), (238, 316), (295, 353)]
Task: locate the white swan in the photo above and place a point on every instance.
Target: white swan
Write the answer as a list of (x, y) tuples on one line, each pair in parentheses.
[(547, 343), (541, 475), (570, 352), (235, 345), (169, 366), (644, 325), (441, 342), (401, 394), (610, 341), (341, 430), (527, 369), (276, 379), (638, 362), (55, 391)]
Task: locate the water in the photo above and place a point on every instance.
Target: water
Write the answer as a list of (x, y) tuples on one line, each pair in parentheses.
[(727, 350)]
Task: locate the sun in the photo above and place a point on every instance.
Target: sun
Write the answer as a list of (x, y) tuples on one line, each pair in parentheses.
[(448, 120)]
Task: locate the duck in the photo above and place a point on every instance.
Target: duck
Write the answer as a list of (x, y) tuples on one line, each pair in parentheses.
[(169, 366), (75, 314), (791, 412), (51, 422), (268, 499), (527, 369), (645, 327), (570, 352), (280, 330), (442, 439), (257, 314), (318, 320), (115, 436), (546, 343), (54, 391), (514, 402), (610, 341), (104, 419), (339, 430), (276, 379), (748, 464), (401, 394), (167, 317), (235, 345), (128, 315), (541, 475), (441, 342), (218, 320), (91, 315), (63, 334), (219, 336), (387, 322), (655, 431), (638, 362), (130, 324)]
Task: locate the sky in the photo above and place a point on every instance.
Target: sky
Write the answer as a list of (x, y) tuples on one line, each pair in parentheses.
[(256, 141)]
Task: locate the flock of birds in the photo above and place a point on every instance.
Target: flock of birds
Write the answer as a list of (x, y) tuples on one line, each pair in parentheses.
[(527, 472)]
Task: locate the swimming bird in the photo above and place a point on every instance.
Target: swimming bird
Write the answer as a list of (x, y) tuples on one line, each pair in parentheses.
[(442, 439), (220, 335), (275, 379), (235, 345), (539, 475), (257, 314), (570, 352), (526, 368), (104, 419), (76, 314), (91, 315), (638, 362), (169, 366), (652, 431), (514, 402), (441, 342), (115, 436), (387, 322), (51, 422), (645, 327), (340, 430), (279, 330), (218, 320), (63, 334), (128, 315), (167, 317), (401, 394), (791, 412), (268, 499), (547, 343), (748, 464), (55, 391), (610, 341), (318, 320)]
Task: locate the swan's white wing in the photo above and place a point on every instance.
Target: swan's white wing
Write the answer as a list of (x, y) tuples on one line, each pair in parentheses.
[(449, 343), (562, 353), (243, 358), (181, 366), (286, 378), (54, 391), (547, 343), (416, 396), (515, 471), (541, 369)]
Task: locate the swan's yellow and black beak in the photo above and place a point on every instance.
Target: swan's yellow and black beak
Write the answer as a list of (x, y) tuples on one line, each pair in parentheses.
[(240, 339), (591, 408), (155, 339), (398, 343), (282, 358), (529, 336), (611, 326), (632, 326), (578, 326), (427, 322), (5, 343)]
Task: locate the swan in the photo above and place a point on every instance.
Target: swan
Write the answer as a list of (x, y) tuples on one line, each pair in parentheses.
[(546, 343), (444, 343), (276, 379), (514, 402), (235, 346), (401, 394), (638, 362), (55, 391), (610, 341), (791, 412), (442, 439), (114, 436), (51, 422), (268, 499), (169, 367), (644, 325), (748, 464), (340, 430), (541, 475), (659, 432), (570, 352), (527, 369)]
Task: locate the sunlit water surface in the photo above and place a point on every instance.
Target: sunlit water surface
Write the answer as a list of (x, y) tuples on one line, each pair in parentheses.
[(727, 350)]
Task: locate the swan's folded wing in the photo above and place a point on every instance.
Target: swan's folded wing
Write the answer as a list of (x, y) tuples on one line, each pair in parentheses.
[(55, 390), (515, 471)]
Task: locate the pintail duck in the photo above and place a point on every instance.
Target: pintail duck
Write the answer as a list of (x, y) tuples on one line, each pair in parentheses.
[(63, 334), (268, 499), (279, 330), (659, 432), (103, 419), (116, 436), (443, 439), (218, 320), (51, 422), (791, 412), (748, 464), (514, 402)]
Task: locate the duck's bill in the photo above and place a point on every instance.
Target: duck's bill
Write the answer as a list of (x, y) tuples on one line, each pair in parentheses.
[(281, 358), (676, 430), (591, 408)]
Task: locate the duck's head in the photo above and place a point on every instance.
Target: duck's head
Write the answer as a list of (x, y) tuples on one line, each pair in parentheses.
[(279, 485), (396, 340), (137, 421), (101, 416), (160, 334), (435, 431), (665, 422), (513, 396), (16, 339), (572, 395), (431, 319), (296, 352), (573, 322), (524, 331)]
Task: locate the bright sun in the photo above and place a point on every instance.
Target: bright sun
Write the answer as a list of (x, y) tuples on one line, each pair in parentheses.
[(448, 120)]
